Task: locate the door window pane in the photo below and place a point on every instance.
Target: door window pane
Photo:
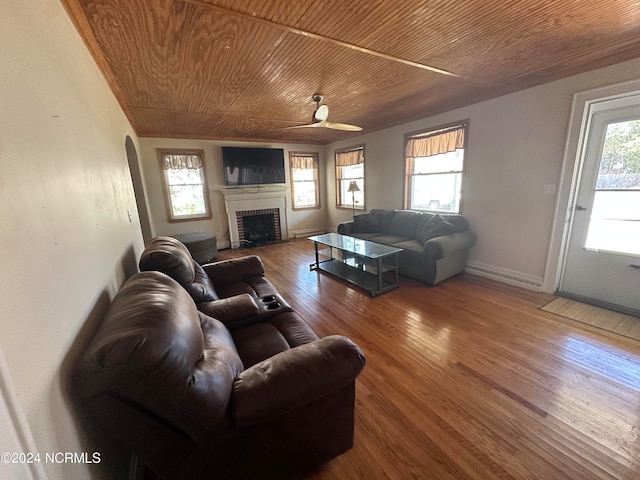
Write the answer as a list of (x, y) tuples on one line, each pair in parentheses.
[(614, 224)]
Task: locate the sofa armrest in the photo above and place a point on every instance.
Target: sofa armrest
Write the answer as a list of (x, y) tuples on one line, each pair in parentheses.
[(229, 310), (345, 228), (440, 247), (234, 270), (294, 378)]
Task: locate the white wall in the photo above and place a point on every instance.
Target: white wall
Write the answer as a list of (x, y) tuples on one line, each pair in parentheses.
[(298, 221), (66, 241), (516, 146)]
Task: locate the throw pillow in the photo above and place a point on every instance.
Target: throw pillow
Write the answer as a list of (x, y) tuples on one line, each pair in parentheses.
[(436, 227), (365, 223)]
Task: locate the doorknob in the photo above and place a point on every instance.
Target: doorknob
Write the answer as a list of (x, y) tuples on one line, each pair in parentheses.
[(580, 208)]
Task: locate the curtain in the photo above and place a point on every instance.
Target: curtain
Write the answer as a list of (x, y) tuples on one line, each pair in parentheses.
[(347, 159), (299, 160), (434, 143), (351, 157), (181, 161)]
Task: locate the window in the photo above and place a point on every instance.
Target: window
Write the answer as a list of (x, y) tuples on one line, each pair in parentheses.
[(350, 171), (305, 190), (614, 223), (433, 168), (185, 186)]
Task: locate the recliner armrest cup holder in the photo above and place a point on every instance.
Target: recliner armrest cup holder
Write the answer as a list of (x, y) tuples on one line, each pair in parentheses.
[(270, 302)]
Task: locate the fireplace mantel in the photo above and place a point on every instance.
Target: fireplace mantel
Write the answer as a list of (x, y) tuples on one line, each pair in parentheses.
[(254, 198)]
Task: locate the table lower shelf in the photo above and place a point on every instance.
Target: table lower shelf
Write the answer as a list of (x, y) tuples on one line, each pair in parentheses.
[(365, 280)]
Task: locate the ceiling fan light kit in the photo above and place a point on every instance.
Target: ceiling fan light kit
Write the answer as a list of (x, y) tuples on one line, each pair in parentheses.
[(319, 119)]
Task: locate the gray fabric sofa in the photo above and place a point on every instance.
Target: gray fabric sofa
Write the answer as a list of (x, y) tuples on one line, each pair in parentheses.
[(435, 246)]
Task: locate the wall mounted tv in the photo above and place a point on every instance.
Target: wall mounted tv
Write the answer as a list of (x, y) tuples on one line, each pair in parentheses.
[(253, 166)]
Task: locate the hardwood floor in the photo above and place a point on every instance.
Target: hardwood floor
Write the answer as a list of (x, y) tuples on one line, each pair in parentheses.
[(470, 379)]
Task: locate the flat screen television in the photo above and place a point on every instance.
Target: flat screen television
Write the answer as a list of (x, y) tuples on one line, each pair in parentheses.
[(253, 166)]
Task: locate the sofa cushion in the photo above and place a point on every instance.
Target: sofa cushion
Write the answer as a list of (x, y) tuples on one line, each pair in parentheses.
[(213, 374), (294, 329), (435, 227), (412, 252), (258, 342), (411, 246), (201, 289), (366, 223), (404, 223), (389, 240), (170, 256), (456, 219), (368, 236), (256, 286), (384, 218), (426, 217)]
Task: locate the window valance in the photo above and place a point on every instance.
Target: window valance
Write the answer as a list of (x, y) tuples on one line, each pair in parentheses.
[(434, 143), (350, 157), (302, 161), (181, 161)]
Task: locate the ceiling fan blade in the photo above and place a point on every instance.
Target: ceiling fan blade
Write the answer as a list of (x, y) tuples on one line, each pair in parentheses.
[(307, 125), (332, 125), (340, 126), (319, 119)]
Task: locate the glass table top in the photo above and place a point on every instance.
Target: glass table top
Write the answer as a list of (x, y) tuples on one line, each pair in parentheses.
[(354, 245)]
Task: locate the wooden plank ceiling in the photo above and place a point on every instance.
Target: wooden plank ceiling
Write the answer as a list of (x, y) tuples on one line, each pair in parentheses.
[(246, 69)]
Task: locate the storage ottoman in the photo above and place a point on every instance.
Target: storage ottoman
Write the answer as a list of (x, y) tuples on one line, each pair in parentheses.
[(202, 246)]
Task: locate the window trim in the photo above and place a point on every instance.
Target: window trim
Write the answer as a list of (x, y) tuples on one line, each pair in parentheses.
[(406, 191), (171, 218), (339, 205), (316, 161)]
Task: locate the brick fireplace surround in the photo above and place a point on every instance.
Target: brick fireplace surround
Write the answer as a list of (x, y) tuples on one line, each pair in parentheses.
[(241, 216)]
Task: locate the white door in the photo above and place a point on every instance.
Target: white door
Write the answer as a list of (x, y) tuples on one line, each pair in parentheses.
[(602, 261)]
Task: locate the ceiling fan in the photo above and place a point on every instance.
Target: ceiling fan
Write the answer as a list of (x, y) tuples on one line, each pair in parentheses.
[(319, 119)]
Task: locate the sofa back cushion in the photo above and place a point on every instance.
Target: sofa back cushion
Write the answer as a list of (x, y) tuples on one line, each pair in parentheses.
[(404, 223), (155, 350), (384, 218), (366, 223), (170, 256)]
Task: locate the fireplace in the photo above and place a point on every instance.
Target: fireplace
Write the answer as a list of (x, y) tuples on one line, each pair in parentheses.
[(258, 227), (262, 200)]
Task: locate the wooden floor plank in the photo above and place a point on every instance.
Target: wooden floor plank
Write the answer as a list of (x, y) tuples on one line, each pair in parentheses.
[(470, 379)]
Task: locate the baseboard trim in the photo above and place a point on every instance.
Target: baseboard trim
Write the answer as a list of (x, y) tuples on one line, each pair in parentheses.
[(505, 275), (306, 232), (17, 434)]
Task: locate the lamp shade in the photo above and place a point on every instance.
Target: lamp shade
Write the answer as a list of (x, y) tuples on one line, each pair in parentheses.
[(353, 186)]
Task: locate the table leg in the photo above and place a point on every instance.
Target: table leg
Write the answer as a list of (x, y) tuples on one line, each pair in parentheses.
[(397, 268), (315, 247)]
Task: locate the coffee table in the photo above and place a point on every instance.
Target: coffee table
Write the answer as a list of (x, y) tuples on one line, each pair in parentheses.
[(369, 265)]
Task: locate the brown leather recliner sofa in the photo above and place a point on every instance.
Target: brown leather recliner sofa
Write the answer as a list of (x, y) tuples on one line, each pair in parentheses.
[(253, 393)]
